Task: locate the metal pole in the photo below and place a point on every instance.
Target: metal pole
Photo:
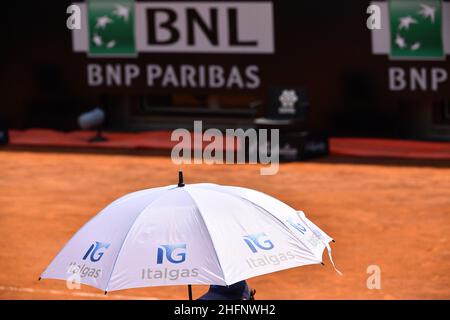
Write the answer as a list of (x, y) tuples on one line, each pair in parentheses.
[(180, 179), (190, 291)]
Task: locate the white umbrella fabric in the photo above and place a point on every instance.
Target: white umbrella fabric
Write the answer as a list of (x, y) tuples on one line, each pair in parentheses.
[(188, 234)]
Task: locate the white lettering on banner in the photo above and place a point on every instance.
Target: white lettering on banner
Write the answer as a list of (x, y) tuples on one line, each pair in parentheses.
[(170, 76), (416, 79), (209, 27)]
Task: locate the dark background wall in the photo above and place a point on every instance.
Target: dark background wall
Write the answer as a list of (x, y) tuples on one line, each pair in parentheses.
[(322, 46)]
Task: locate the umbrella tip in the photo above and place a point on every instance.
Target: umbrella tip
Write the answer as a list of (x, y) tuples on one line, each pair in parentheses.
[(39, 279), (322, 263), (333, 240), (180, 179), (106, 292)]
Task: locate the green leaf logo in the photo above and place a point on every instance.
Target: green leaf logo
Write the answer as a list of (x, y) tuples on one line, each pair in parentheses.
[(416, 29), (111, 28)]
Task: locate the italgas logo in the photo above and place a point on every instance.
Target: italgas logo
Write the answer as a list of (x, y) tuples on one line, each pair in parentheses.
[(258, 240), (174, 253), (299, 227), (93, 251)]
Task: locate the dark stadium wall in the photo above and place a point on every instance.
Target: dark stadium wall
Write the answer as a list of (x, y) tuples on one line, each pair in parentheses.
[(322, 47)]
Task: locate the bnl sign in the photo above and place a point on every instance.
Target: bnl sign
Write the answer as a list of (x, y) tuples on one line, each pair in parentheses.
[(125, 28)]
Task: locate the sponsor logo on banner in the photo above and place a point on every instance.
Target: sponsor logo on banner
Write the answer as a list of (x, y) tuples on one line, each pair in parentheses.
[(111, 28), (414, 30), (174, 253), (288, 99), (287, 103), (122, 27), (96, 251), (125, 28)]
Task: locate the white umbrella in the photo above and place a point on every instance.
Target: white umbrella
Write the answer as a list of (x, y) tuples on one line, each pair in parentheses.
[(188, 234)]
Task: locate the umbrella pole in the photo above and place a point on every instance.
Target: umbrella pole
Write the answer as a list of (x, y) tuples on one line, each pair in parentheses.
[(180, 179), (190, 291)]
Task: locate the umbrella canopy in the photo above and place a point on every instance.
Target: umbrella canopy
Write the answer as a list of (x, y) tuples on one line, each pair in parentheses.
[(188, 234)]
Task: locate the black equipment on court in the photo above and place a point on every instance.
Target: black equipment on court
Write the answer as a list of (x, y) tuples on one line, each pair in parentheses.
[(287, 110), (93, 119)]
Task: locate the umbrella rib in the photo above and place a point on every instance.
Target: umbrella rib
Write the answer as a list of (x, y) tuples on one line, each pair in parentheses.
[(126, 236), (209, 234)]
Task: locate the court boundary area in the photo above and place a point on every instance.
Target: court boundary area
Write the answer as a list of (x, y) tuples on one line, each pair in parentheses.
[(74, 293)]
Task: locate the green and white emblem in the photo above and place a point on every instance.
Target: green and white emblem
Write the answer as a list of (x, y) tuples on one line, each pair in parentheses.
[(412, 29), (416, 29), (111, 28)]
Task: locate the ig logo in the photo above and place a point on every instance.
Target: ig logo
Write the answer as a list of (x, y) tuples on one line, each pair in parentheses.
[(254, 240), (93, 250), (296, 225), (171, 256)]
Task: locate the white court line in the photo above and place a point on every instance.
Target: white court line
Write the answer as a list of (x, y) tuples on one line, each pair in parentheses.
[(75, 293)]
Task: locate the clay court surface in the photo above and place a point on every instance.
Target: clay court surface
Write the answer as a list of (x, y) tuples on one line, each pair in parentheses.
[(392, 214)]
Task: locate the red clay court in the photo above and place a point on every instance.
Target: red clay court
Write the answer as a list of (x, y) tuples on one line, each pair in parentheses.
[(393, 213)]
